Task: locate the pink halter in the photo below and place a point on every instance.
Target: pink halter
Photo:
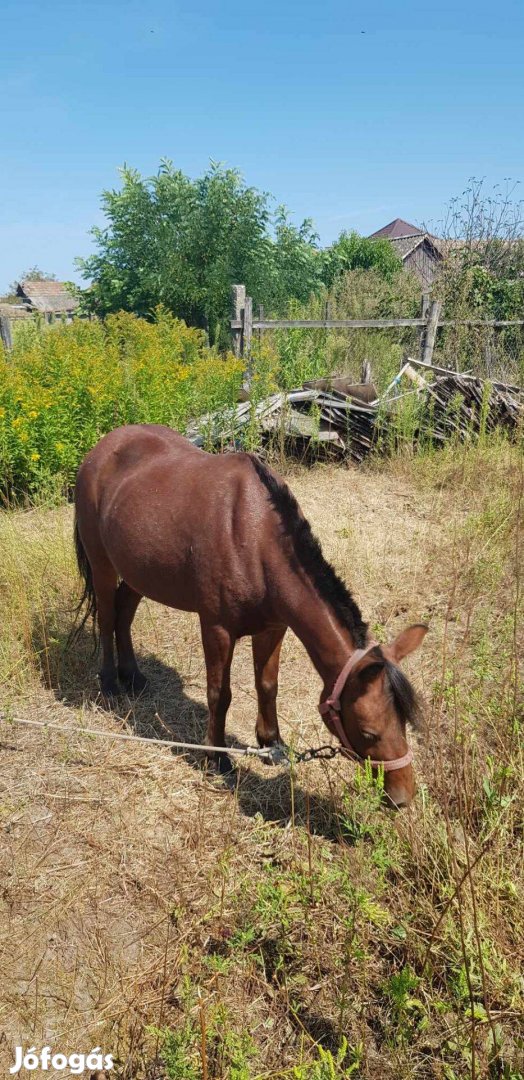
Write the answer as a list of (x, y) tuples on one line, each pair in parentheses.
[(331, 710)]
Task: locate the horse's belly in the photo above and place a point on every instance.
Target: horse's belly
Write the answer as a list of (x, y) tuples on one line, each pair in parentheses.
[(191, 575)]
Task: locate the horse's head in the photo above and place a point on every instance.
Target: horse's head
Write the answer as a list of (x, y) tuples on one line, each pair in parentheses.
[(376, 703)]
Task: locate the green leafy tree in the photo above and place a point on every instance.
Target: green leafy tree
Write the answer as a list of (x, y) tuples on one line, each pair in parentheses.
[(354, 252), (181, 242)]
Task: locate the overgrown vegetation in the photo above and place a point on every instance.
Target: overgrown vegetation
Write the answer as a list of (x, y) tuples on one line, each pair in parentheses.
[(182, 243), (288, 928), (62, 389), (482, 277)]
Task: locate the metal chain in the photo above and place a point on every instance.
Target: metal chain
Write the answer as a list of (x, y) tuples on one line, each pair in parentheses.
[(318, 753)]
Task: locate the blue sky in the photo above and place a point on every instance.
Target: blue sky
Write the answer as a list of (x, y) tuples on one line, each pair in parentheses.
[(351, 113)]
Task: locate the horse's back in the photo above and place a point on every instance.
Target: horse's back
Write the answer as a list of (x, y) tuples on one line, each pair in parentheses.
[(178, 524), (131, 448)]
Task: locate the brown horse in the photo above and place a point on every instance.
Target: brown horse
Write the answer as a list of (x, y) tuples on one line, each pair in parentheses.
[(221, 535)]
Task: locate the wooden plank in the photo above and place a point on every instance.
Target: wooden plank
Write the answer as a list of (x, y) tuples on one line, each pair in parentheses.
[(363, 324), (439, 370), (424, 309), (5, 332), (333, 324), (238, 299), (365, 373), (247, 335), (482, 322), (431, 331)]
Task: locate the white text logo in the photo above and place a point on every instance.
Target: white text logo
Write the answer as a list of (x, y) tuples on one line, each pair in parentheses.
[(47, 1059)]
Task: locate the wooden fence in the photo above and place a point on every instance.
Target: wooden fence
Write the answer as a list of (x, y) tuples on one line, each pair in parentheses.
[(243, 324), (48, 318)]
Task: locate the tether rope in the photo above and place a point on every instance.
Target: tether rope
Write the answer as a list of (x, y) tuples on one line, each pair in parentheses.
[(278, 754)]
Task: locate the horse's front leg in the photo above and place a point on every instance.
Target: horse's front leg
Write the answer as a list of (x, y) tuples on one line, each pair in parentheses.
[(218, 650), (266, 657)]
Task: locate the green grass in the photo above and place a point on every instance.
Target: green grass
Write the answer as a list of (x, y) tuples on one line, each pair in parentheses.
[(290, 928)]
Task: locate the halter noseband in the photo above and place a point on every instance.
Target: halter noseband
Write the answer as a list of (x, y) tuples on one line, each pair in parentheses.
[(330, 710)]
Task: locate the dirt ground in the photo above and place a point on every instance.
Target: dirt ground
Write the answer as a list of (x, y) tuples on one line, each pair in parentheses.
[(121, 863)]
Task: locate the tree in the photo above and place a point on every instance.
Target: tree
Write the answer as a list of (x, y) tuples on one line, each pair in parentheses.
[(483, 272), (354, 252), (183, 243)]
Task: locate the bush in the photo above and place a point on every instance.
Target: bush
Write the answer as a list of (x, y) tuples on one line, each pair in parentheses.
[(61, 389)]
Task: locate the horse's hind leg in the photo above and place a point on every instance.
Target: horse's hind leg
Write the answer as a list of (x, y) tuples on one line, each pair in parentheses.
[(218, 650), (266, 657), (127, 601), (104, 583)]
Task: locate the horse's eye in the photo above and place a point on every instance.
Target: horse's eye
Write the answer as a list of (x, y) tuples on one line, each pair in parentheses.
[(369, 736)]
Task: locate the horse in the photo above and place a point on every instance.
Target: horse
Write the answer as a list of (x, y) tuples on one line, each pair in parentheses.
[(223, 536)]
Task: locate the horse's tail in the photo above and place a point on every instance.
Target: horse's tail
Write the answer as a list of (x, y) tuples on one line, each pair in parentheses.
[(86, 607)]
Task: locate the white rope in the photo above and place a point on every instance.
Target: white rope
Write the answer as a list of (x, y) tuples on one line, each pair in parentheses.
[(265, 752)]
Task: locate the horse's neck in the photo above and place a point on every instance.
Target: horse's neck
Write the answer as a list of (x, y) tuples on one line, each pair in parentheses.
[(326, 639)]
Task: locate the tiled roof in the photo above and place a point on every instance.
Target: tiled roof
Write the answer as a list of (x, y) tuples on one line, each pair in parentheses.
[(47, 296), (396, 229)]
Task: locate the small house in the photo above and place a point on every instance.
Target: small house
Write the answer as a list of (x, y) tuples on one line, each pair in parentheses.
[(50, 298), (420, 252)]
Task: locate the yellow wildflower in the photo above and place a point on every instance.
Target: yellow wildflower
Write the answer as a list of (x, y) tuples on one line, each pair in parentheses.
[(23, 437), (33, 414), (35, 456), (59, 446)]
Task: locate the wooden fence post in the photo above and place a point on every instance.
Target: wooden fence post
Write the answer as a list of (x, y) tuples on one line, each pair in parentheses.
[(5, 332), (247, 334), (365, 372), (238, 297), (431, 331), (424, 308)]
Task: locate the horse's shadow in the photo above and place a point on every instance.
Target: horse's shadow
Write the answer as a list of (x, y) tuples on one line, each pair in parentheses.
[(165, 711)]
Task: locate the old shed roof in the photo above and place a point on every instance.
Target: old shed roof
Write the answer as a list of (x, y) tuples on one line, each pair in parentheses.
[(14, 311), (47, 296)]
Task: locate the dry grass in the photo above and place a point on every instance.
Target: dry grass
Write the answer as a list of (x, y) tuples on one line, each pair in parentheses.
[(149, 909)]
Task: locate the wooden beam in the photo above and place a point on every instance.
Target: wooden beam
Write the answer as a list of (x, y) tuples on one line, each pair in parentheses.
[(5, 332), (238, 300), (363, 324), (434, 310), (333, 324), (365, 372), (424, 309), (247, 335)]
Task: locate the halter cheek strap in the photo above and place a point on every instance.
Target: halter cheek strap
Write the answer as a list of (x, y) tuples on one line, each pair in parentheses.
[(330, 710)]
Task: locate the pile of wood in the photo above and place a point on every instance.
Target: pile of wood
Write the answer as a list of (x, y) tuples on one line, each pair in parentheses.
[(344, 419), (466, 405)]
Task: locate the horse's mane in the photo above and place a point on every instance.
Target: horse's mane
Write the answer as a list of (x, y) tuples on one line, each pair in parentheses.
[(308, 553), (405, 698)]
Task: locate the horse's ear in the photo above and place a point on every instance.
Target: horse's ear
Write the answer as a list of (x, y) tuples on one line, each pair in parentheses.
[(406, 642)]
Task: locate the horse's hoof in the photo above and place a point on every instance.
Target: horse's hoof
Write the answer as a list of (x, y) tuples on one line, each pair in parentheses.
[(134, 683), (109, 689), (221, 763), (225, 765)]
